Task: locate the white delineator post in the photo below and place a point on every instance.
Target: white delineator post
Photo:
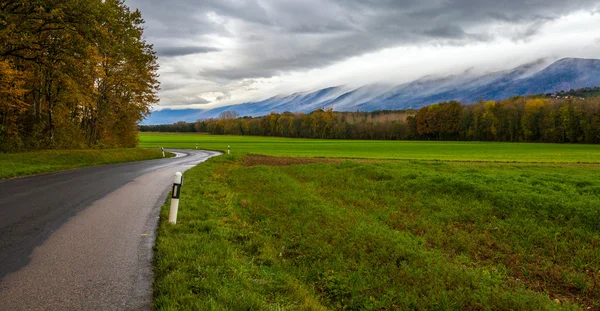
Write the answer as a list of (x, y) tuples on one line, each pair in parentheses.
[(175, 198), (163, 150), (228, 149)]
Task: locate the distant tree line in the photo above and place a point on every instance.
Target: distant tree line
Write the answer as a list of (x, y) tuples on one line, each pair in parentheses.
[(511, 120), (586, 92), (73, 74), (526, 119), (318, 124), (177, 127)]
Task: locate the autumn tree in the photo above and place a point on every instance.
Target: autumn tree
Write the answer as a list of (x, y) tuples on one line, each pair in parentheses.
[(75, 74), (516, 119)]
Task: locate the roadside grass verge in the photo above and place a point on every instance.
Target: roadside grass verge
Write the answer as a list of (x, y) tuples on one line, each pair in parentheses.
[(381, 236), (381, 149), (36, 162)]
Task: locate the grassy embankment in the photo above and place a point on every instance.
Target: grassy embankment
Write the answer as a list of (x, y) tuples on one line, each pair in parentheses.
[(272, 233), (407, 150), (29, 163)]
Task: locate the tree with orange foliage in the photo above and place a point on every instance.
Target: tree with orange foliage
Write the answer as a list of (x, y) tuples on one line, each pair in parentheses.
[(73, 74)]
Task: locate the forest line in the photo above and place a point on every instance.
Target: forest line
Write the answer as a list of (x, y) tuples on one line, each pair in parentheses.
[(73, 74), (518, 119)]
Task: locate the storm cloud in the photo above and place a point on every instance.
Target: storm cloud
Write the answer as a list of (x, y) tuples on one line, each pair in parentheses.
[(268, 38), (168, 51)]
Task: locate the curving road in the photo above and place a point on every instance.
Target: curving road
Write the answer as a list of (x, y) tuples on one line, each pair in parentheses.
[(82, 239)]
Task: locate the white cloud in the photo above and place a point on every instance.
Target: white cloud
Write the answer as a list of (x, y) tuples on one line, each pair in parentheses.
[(218, 52)]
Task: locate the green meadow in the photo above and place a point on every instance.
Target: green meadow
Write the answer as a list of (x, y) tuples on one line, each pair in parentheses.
[(301, 224), (45, 161), (373, 149), (271, 233)]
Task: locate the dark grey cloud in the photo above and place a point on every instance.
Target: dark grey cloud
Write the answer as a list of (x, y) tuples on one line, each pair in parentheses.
[(273, 36), (452, 31), (168, 51)]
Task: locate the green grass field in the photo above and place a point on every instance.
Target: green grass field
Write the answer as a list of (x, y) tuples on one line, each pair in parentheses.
[(281, 232), (28, 163), (404, 150), (381, 236)]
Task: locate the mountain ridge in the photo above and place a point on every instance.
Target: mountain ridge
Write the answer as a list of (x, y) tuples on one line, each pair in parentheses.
[(532, 78)]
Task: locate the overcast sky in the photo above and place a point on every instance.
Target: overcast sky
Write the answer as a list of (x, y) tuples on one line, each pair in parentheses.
[(216, 52)]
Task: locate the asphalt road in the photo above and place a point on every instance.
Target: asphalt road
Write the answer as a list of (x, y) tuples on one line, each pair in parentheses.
[(82, 239)]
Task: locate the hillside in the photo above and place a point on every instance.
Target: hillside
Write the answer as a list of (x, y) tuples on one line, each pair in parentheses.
[(565, 74)]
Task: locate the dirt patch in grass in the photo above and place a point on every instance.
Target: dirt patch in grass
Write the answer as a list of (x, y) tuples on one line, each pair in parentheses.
[(257, 159)]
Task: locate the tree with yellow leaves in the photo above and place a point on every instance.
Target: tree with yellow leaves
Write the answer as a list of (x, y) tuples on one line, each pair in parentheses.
[(74, 74)]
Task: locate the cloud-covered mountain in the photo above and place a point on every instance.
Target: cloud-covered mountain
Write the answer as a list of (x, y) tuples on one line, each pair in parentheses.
[(565, 74)]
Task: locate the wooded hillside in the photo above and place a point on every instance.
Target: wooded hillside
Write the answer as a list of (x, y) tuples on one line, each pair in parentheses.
[(73, 74)]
